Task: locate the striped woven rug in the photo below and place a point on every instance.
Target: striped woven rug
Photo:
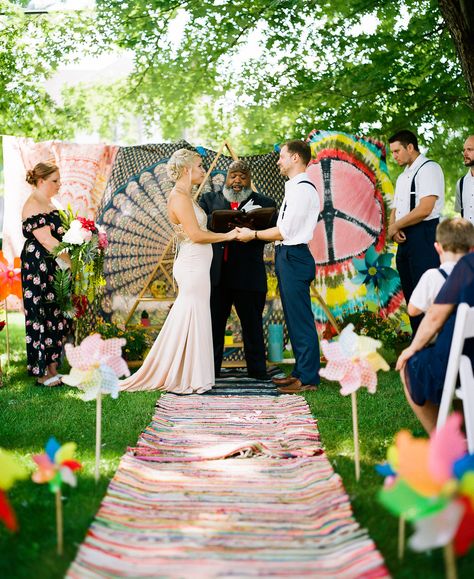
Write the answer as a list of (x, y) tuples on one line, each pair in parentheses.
[(227, 486)]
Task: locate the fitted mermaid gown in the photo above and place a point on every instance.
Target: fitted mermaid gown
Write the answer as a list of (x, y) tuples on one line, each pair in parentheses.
[(181, 359)]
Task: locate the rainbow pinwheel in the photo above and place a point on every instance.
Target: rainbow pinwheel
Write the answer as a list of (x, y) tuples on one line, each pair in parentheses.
[(10, 278), (96, 366), (353, 361), (10, 471), (434, 487), (57, 465)]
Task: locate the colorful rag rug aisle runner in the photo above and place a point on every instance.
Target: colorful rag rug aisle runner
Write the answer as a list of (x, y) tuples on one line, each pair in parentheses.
[(235, 486)]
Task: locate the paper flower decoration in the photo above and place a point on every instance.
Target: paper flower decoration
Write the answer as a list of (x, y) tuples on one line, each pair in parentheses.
[(10, 278), (434, 487), (10, 471), (96, 366), (57, 465), (374, 271), (352, 361)]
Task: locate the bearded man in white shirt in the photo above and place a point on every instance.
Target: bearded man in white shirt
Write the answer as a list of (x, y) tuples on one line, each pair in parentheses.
[(417, 205), (294, 265), (464, 202)]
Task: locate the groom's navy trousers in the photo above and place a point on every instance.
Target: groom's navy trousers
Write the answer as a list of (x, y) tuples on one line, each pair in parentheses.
[(295, 270)]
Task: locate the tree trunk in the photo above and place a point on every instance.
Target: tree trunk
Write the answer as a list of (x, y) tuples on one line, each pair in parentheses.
[(459, 18)]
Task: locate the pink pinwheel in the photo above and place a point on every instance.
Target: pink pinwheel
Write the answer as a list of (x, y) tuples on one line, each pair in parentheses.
[(10, 278), (96, 366), (353, 361), (56, 465), (94, 351)]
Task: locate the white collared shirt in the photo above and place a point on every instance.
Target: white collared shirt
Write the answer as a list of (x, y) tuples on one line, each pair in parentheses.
[(467, 197), (299, 211), (428, 181)]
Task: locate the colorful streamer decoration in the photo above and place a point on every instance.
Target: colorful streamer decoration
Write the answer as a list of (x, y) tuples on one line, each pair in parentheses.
[(430, 482), (10, 471)]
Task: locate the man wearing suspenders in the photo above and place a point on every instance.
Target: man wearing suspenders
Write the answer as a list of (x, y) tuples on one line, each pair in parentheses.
[(465, 186), (417, 205), (294, 265)]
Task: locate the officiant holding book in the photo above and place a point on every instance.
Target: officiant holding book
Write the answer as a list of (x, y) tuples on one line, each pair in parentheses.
[(238, 275)]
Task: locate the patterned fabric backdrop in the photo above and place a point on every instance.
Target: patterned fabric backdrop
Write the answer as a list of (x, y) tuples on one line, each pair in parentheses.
[(126, 189)]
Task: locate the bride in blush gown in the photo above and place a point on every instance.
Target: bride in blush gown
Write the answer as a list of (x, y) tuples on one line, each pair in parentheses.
[(181, 359)]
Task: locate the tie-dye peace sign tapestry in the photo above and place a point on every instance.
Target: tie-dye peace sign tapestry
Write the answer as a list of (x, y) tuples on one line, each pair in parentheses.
[(353, 263)]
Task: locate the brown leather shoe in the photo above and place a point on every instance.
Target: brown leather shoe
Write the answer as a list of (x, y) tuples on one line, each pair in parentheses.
[(296, 387), (284, 381)]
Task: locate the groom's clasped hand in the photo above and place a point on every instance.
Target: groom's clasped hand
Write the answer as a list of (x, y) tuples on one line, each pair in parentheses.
[(240, 234), (244, 234)]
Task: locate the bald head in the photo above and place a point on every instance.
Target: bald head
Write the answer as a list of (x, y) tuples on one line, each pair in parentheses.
[(468, 151)]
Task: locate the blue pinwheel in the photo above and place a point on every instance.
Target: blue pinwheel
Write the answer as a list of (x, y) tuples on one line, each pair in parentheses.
[(375, 272)]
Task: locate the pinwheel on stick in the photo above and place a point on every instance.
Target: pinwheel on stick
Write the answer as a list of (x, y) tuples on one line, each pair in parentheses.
[(96, 366), (434, 489), (353, 361), (10, 471), (55, 467), (10, 284)]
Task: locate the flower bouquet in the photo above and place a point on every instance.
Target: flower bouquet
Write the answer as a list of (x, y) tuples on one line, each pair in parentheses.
[(85, 243)]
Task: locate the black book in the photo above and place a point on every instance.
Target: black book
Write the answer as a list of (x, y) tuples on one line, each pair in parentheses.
[(224, 220)]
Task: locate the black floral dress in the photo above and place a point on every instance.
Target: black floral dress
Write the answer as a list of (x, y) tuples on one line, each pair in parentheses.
[(46, 327)]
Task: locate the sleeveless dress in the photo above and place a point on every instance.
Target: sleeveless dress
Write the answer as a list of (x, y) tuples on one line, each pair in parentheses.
[(181, 360), (46, 327)]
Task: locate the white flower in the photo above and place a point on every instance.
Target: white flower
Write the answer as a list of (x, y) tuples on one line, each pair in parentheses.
[(28, 294), (76, 234)]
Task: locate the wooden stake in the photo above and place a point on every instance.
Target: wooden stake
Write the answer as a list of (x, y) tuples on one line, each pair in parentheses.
[(7, 336), (59, 522), (98, 435), (449, 562), (355, 428), (401, 537)]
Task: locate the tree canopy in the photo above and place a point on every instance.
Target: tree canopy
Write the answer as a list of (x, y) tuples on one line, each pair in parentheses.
[(363, 66)]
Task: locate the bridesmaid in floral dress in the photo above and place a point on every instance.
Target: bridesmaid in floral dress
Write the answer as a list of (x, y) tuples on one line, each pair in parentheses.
[(46, 327)]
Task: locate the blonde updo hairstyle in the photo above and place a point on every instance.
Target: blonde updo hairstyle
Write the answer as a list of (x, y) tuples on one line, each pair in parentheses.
[(40, 171), (179, 161)]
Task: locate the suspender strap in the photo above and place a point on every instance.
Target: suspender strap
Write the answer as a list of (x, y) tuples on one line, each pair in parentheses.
[(413, 187), (309, 183), (443, 273), (461, 187)]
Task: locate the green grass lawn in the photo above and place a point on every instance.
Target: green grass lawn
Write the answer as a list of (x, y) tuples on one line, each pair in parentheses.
[(29, 415)]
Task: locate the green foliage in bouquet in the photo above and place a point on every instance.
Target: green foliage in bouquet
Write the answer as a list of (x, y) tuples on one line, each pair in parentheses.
[(389, 330), (85, 243), (137, 339)]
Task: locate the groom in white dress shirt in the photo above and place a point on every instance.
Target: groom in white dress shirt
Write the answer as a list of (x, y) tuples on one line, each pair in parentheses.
[(294, 265)]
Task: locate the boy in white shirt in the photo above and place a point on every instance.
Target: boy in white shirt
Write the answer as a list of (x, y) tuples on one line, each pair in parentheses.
[(454, 238)]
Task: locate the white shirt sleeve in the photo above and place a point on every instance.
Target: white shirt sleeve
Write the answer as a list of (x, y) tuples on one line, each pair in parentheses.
[(301, 212), (430, 181), (427, 289)]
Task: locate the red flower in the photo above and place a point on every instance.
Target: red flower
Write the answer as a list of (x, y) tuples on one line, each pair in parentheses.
[(80, 304), (2, 325), (87, 224)]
